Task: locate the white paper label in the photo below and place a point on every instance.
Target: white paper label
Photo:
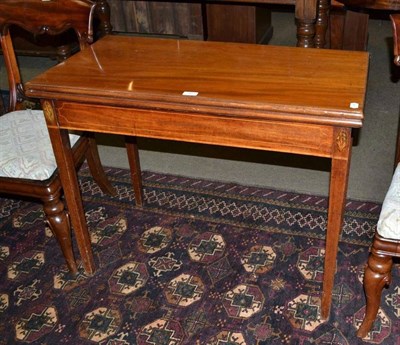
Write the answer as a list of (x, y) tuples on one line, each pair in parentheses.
[(354, 105), (190, 93)]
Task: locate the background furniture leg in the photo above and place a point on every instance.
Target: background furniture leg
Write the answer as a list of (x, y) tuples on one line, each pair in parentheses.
[(321, 25), (103, 14), (306, 16), (134, 164), (96, 169)]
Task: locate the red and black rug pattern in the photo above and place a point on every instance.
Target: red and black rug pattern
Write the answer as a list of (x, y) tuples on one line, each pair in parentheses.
[(203, 262)]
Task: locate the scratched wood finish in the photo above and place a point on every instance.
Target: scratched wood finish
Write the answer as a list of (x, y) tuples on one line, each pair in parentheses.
[(158, 17), (314, 86)]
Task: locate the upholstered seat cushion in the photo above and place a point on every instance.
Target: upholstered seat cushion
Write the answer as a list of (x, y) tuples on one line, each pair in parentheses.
[(25, 147), (389, 219)]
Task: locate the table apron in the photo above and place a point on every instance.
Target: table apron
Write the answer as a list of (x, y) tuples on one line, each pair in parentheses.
[(270, 135)]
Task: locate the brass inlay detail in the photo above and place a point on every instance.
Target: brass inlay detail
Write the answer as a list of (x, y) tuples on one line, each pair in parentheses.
[(342, 140), (48, 112)]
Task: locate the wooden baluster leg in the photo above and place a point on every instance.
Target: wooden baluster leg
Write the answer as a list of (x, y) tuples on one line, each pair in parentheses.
[(103, 13), (305, 33), (321, 26), (134, 164), (59, 224), (306, 16), (69, 180), (337, 195), (378, 273)]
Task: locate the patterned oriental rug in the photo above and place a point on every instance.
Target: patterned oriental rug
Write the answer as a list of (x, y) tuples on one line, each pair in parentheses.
[(203, 262)]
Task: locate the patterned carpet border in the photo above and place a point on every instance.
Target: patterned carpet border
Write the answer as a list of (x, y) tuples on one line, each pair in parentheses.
[(245, 206)]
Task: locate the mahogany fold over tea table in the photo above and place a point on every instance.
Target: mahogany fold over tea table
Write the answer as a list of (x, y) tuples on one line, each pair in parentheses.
[(286, 99)]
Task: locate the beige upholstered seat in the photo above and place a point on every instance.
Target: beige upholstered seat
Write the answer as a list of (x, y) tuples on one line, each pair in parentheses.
[(389, 219), (26, 150)]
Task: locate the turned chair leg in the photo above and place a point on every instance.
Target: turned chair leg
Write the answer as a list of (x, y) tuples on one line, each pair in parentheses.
[(377, 275), (96, 169), (59, 224)]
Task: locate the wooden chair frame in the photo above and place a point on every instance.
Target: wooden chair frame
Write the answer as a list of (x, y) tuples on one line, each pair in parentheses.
[(49, 17), (379, 267)]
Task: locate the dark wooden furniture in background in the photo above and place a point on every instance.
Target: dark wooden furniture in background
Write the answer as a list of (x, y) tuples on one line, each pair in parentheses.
[(174, 18), (349, 21), (244, 21), (220, 20), (303, 101), (59, 46), (250, 20), (37, 17)]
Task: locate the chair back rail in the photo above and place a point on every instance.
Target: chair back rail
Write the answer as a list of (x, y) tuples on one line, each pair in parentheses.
[(40, 17)]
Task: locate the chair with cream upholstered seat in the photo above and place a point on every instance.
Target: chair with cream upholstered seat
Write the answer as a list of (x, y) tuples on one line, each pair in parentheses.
[(27, 163), (386, 243)]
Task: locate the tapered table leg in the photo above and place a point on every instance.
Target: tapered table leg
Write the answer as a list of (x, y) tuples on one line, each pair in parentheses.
[(341, 151), (69, 180), (134, 164)]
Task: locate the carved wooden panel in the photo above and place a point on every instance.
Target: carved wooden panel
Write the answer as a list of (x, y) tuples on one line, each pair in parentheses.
[(158, 17)]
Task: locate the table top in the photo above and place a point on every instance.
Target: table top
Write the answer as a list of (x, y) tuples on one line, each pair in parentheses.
[(313, 85)]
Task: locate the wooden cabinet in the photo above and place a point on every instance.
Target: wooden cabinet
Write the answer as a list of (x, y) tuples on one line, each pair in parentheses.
[(244, 23), (158, 18), (201, 19)]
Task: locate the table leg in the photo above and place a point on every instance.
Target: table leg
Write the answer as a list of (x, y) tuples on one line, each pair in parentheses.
[(321, 25), (306, 16), (69, 180), (341, 150), (134, 164)]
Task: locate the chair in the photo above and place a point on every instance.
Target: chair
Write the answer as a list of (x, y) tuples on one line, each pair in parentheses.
[(386, 243), (27, 163)]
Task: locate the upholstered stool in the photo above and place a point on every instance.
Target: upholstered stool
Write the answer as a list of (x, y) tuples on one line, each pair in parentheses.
[(386, 245)]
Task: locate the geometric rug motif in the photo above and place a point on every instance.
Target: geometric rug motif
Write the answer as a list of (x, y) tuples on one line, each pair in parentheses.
[(202, 262), (38, 323), (99, 324), (128, 278)]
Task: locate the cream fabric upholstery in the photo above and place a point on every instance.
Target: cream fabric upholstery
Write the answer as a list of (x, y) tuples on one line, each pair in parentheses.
[(25, 147), (389, 219)]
